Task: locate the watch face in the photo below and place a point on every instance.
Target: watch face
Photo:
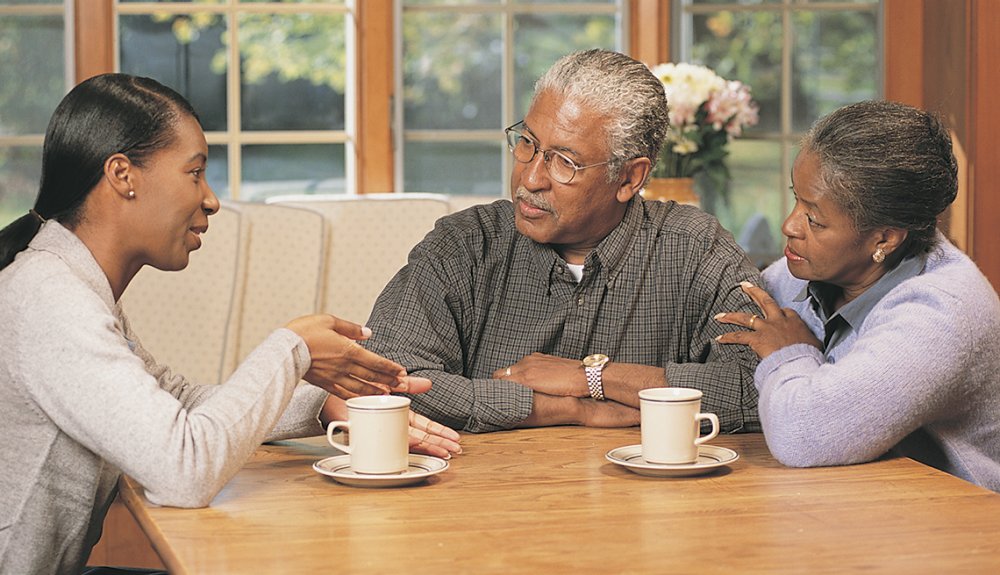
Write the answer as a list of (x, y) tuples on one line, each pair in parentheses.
[(595, 360)]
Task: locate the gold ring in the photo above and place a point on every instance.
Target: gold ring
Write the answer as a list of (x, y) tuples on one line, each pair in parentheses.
[(507, 371), (753, 318)]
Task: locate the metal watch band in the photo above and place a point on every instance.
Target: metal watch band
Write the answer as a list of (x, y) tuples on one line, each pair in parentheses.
[(594, 382)]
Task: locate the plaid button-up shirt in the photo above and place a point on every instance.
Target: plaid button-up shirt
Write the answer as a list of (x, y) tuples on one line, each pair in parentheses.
[(476, 295)]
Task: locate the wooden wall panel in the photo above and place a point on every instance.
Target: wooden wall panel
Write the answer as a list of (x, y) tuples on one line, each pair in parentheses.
[(945, 90), (904, 52), (123, 543), (960, 74), (946, 62), (984, 127)]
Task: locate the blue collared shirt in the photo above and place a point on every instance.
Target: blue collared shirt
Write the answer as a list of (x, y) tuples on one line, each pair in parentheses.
[(850, 317)]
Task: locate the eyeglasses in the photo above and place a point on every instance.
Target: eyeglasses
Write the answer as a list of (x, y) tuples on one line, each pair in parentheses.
[(561, 168)]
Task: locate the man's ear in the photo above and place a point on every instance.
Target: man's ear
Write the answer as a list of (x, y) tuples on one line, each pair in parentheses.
[(634, 173), (119, 173)]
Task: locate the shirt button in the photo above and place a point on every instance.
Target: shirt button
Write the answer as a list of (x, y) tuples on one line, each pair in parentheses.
[(579, 300)]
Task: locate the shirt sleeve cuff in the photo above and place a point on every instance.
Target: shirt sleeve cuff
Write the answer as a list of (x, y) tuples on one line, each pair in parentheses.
[(498, 405)]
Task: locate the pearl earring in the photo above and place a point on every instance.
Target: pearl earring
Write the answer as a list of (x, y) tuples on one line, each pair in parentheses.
[(879, 256), (131, 193)]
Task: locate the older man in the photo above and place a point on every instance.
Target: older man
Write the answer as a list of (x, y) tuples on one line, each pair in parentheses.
[(558, 307)]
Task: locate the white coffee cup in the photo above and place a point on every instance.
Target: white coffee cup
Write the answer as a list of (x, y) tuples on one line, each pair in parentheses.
[(671, 425), (379, 428)]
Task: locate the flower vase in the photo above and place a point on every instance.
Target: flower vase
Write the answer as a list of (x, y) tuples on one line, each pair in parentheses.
[(681, 190)]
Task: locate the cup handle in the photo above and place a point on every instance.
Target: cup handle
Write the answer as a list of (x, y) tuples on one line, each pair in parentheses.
[(334, 426), (715, 427)]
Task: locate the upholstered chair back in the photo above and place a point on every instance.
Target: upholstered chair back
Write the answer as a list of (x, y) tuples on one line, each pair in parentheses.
[(189, 320), (285, 263), (369, 238)]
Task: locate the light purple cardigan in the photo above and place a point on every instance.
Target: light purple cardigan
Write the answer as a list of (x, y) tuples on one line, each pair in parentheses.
[(925, 360)]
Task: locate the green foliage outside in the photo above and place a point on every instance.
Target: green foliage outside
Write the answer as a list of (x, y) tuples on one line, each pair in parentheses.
[(288, 47), (452, 67), (31, 85), (835, 62)]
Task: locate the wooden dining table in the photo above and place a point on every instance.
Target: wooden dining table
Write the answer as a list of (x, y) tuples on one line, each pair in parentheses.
[(548, 501)]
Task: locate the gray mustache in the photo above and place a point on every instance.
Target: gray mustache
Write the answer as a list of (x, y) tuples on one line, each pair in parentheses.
[(533, 200)]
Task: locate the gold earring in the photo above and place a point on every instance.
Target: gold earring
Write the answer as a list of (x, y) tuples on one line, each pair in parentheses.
[(879, 256)]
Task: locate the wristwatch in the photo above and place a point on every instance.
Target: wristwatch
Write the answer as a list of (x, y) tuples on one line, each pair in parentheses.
[(593, 365)]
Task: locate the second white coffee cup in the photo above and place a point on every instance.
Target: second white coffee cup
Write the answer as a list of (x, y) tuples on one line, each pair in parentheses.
[(379, 434), (671, 424)]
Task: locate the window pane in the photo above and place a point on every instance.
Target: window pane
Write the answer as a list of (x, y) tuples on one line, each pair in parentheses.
[(217, 171), (452, 71), (468, 73), (20, 171), (744, 46), (834, 60), (541, 39), (294, 1), (741, 2), (32, 72), (272, 170), (564, 1), (174, 1), (448, 2), (290, 64), (758, 190), (836, 63), (454, 168), (185, 52)]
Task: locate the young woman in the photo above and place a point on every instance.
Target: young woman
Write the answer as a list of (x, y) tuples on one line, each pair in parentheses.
[(81, 401), (881, 335)]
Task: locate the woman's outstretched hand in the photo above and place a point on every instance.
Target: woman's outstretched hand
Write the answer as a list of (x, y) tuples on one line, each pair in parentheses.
[(344, 368), (426, 436), (432, 438), (777, 328)]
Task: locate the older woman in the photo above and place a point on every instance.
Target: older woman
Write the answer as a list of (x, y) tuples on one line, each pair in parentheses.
[(81, 401), (881, 335)]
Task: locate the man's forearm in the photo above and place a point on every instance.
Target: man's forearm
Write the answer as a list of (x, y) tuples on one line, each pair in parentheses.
[(552, 410), (623, 381), (566, 410)]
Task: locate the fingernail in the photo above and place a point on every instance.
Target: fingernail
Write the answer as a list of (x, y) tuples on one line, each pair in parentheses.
[(718, 338), (366, 331), (719, 315), (746, 284)]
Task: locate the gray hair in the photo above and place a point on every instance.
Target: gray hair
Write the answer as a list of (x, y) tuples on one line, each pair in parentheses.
[(620, 88), (887, 164)]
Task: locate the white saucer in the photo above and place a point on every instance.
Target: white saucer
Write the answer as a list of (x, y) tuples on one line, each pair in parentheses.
[(710, 458), (421, 467)]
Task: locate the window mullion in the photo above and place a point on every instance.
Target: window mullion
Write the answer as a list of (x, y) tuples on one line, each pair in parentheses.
[(233, 105), (786, 122)]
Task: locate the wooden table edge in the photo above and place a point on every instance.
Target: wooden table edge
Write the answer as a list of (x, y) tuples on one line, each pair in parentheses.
[(131, 494)]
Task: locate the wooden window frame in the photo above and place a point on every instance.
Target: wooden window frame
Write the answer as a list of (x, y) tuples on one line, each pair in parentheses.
[(915, 39)]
